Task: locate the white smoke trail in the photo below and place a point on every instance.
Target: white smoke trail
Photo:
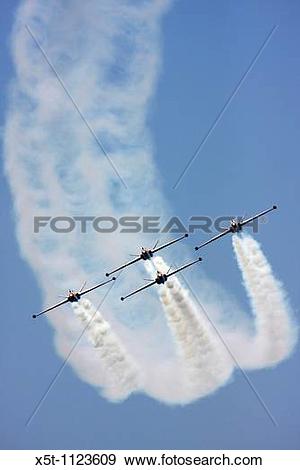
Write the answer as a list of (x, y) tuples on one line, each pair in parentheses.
[(275, 333), (121, 375), (206, 364), (108, 55)]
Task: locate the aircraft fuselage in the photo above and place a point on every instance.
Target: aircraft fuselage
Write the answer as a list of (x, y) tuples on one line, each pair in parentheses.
[(235, 226), (146, 254), (73, 296), (161, 278)]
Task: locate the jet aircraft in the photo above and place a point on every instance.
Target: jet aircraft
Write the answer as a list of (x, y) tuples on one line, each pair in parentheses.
[(73, 296), (161, 278), (236, 225), (147, 254)]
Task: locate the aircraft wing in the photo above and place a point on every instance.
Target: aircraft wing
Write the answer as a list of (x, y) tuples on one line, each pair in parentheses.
[(184, 267), (51, 308), (170, 243), (220, 235), (139, 290), (247, 221), (124, 266), (98, 285)]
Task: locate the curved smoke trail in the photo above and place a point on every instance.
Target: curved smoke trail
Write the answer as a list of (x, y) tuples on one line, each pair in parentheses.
[(275, 333), (108, 56), (121, 375), (206, 364)]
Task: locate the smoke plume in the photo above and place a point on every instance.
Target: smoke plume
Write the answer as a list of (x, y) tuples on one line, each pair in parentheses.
[(206, 365), (275, 333), (121, 375)]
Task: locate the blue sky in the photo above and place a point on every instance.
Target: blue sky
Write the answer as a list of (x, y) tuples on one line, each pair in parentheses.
[(248, 162)]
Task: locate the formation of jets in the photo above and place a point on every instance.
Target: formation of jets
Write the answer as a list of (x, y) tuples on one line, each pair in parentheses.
[(236, 226)]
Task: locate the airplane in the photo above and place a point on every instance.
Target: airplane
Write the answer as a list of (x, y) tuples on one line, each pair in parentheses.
[(161, 278), (236, 225), (74, 296), (147, 254)]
